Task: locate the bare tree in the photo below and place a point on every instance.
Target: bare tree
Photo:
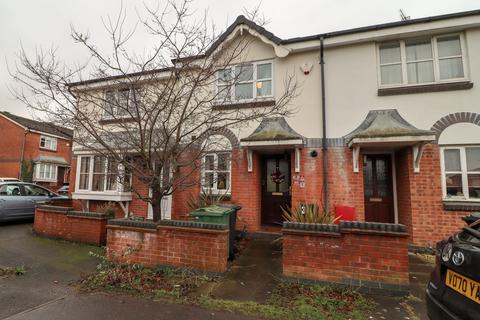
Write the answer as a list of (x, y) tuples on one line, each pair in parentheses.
[(152, 111)]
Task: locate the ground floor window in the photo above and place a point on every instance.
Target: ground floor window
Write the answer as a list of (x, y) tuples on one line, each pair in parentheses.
[(461, 172), (101, 174), (45, 172), (216, 172)]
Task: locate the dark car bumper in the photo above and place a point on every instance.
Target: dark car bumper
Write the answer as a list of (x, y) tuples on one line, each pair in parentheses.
[(437, 311)]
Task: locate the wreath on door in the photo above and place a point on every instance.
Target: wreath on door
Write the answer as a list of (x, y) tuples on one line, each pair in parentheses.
[(277, 176)]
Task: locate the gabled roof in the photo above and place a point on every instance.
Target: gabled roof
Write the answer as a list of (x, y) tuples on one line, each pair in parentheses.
[(385, 124), (273, 129), (44, 127), (242, 20)]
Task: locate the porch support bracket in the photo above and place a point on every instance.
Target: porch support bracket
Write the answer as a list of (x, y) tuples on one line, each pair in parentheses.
[(356, 158), (249, 160), (417, 151), (124, 207)]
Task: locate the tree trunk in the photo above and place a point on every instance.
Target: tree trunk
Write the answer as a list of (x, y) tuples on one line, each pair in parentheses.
[(157, 203)]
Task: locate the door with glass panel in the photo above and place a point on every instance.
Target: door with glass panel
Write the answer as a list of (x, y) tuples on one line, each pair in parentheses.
[(275, 188), (378, 188)]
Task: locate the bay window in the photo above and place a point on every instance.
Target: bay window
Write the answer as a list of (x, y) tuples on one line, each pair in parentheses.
[(102, 174), (461, 172), (216, 172), (421, 60), (45, 172), (245, 82)]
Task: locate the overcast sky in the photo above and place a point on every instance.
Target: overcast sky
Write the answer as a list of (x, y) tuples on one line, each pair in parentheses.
[(46, 23)]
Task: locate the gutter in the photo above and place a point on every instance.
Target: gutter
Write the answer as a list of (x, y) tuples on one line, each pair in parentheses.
[(20, 176), (324, 128)]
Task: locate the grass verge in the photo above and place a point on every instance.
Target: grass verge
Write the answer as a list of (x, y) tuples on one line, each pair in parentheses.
[(303, 302)]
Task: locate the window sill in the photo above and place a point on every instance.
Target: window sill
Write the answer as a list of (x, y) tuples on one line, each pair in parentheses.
[(245, 105), (44, 180), (436, 87), (459, 205), (116, 120), (102, 195), (47, 149)]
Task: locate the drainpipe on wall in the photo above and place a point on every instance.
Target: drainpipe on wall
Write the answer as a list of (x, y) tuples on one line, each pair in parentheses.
[(324, 127), (20, 175)]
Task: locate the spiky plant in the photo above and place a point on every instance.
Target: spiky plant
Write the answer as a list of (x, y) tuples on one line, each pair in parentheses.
[(204, 199), (309, 213)]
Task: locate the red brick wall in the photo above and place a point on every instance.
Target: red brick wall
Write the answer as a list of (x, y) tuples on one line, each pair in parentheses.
[(246, 190), (311, 169), (59, 225), (11, 148), (173, 246), (420, 198), (345, 186), (352, 255)]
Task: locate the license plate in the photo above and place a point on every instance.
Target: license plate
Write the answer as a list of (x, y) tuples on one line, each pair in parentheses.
[(463, 285)]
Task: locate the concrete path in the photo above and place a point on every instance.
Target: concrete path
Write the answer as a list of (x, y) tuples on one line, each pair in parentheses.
[(255, 274)]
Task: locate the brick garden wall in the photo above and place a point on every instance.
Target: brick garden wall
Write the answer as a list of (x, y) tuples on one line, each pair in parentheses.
[(186, 245), (362, 255), (63, 223)]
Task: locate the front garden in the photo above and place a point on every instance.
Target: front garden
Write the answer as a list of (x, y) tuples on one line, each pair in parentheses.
[(287, 301)]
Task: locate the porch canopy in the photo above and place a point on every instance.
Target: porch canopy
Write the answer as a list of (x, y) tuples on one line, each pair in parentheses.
[(273, 134), (387, 129), (43, 158)]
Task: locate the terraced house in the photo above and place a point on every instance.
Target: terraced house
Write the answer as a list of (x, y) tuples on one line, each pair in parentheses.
[(386, 125)]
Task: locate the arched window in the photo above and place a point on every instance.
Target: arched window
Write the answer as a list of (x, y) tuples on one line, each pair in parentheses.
[(216, 164), (460, 160)]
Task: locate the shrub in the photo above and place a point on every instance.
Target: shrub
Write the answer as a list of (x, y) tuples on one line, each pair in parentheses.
[(107, 208), (204, 199), (308, 213)]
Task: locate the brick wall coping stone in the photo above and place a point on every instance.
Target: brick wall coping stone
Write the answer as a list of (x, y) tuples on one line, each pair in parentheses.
[(71, 213), (88, 214), (56, 209), (348, 226), (167, 223)]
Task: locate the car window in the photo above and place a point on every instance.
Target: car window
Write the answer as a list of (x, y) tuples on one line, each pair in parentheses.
[(35, 191), (10, 190)]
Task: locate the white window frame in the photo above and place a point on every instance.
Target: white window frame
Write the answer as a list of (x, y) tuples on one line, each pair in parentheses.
[(118, 189), (115, 114), (50, 143), (463, 171), (436, 63), (254, 82), (53, 172), (215, 172)]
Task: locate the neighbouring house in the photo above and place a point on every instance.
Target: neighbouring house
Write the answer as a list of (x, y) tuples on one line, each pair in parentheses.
[(387, 122), (43, 148)]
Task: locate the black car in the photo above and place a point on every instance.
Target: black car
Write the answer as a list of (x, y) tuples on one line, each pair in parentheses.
[(453, 292)]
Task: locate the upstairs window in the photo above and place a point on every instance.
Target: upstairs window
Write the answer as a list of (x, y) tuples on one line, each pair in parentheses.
[(421, 61), (461, 170), (121, 103), (48, 143), (245, 82)]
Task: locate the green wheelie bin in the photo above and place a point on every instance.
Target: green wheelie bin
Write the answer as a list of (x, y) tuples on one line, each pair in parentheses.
[(222, 214)]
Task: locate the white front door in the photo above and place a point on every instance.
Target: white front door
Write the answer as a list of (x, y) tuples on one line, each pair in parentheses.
[(166, 207)]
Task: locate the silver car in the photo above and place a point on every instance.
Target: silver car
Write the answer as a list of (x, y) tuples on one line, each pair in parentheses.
[(18, 199)]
